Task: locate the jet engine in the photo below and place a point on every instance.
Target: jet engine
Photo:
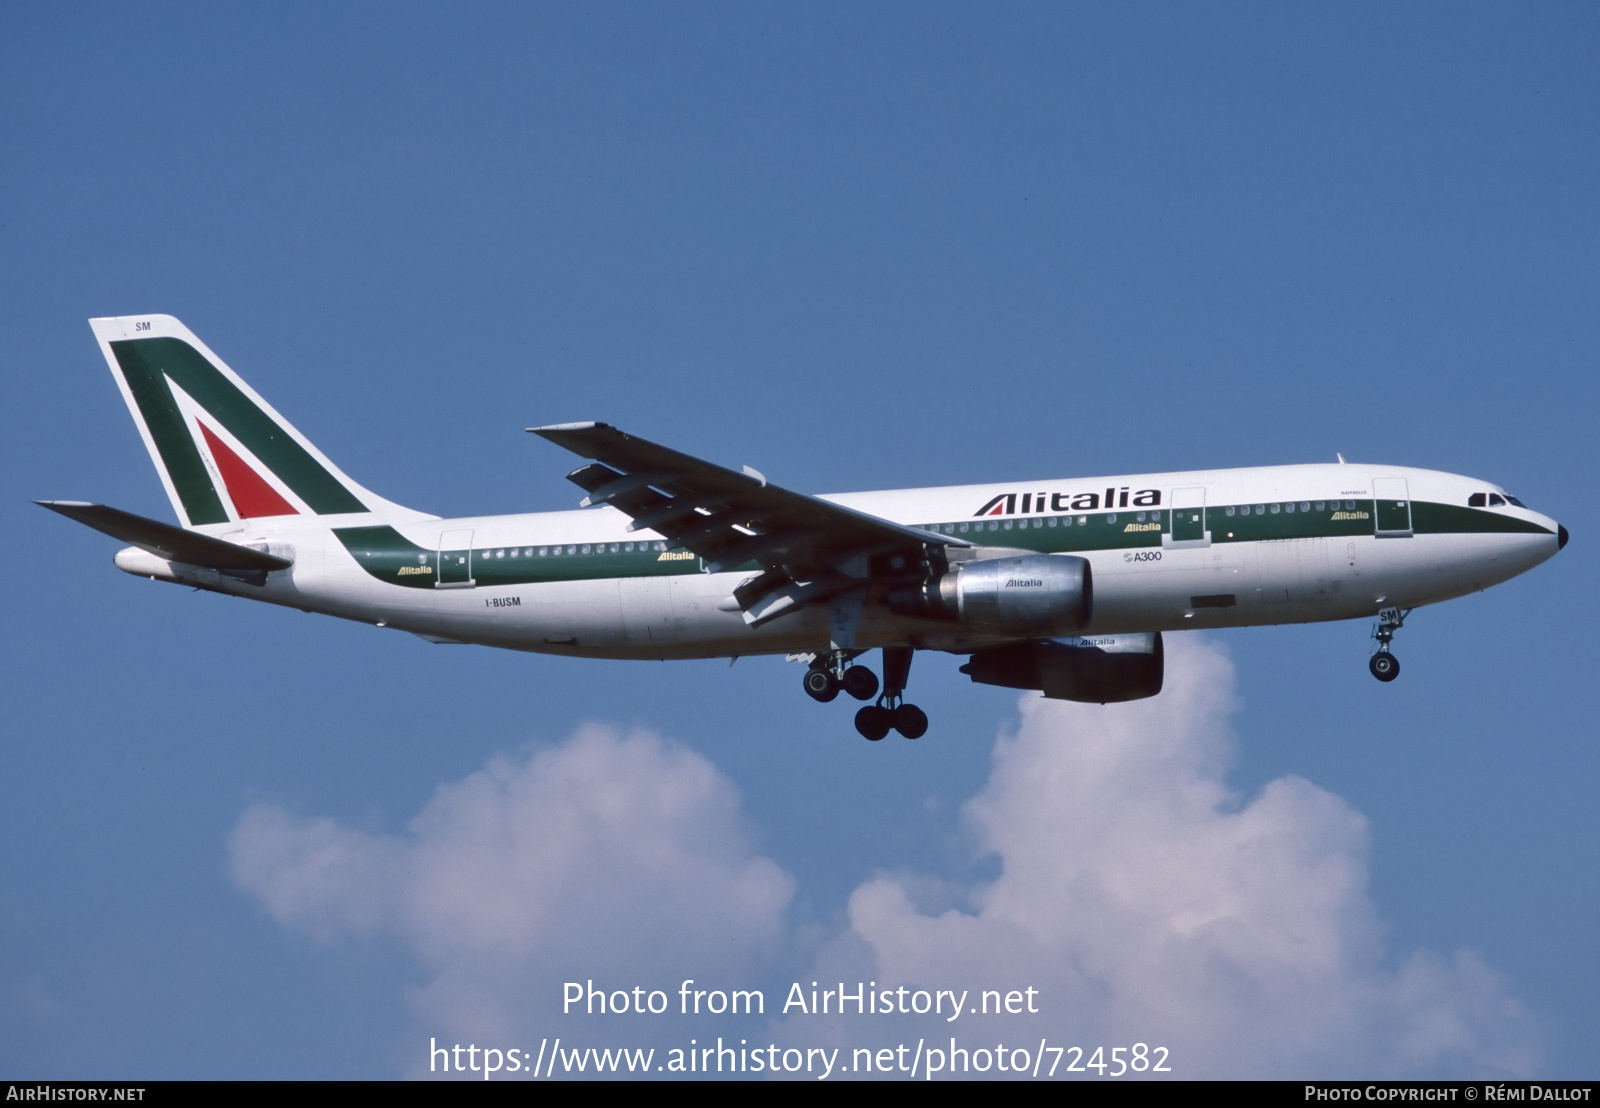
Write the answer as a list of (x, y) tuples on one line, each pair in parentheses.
[(1103, 669), (1031, 594)]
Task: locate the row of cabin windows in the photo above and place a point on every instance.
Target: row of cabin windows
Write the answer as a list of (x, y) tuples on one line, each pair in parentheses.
[(1289, 507), (1140, 517), (575, 548), (1492, 500)]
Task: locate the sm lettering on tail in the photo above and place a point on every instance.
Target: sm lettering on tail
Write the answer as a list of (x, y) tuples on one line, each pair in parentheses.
[(1006, 504)]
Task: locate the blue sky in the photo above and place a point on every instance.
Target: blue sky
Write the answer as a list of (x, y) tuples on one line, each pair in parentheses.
[(912, 245)]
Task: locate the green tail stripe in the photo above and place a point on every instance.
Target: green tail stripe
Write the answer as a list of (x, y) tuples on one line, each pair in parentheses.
[(172, 439), (146, 363)]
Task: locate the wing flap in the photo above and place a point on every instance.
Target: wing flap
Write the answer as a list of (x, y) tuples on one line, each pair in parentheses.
[(648, 481), (809, 549)]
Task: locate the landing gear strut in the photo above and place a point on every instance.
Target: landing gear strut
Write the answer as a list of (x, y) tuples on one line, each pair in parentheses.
[(876, 720), (1384, 665)]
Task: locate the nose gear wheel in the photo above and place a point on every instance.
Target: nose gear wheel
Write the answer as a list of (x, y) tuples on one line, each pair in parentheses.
[(1383, 664)]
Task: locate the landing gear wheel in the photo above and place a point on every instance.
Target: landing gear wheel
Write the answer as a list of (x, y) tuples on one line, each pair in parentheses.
[(873, 722), (1384, 666), (860, 682), (820, 685), (911, 721)]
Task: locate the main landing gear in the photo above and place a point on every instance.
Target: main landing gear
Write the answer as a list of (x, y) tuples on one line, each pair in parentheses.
[(1384, 665), (830, 674)]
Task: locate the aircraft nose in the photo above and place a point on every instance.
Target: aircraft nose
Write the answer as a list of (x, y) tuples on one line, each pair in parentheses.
[(1561, 537)]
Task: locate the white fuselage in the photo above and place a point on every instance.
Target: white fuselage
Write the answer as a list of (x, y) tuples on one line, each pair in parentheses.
[(578, 582)]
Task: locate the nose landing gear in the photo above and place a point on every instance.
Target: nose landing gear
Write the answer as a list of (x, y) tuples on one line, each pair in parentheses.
[(1384, 665)]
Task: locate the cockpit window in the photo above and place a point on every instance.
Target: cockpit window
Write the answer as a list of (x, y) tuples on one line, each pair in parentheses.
[(1513, 500), (1496, 500), (1477, 500)]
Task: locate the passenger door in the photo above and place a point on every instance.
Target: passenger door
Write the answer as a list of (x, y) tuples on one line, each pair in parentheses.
[(1187, 519), (1393, 507), (455, 559)]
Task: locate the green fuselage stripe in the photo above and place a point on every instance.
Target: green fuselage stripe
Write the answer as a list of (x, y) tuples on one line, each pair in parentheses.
[(1057, 534), (387, 555)]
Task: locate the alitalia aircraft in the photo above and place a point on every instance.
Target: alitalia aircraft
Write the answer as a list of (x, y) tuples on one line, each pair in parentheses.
[(1064, 586)]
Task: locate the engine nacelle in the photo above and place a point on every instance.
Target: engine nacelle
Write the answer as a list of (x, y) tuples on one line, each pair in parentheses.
[(1030, 594), (1104, 669)]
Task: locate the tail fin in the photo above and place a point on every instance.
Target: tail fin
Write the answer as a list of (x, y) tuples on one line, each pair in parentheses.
[(224, 454)]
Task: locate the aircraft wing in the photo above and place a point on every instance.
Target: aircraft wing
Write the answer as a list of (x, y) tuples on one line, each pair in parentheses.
[(810, 549)]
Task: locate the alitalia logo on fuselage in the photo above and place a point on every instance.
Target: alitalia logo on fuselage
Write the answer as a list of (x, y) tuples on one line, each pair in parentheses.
[(1007, 503)]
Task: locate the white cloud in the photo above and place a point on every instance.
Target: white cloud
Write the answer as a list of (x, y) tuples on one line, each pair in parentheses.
[(1145, 900), (619, 858), (1148, 905)]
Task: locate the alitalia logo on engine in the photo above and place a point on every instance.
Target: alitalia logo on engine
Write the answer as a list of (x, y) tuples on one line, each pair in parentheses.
[(1007, 503)]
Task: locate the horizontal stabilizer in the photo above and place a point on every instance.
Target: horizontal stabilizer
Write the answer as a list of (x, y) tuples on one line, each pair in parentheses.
[(164, 540)]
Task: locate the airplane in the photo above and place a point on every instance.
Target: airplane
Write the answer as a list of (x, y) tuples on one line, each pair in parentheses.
[(1059, 586)]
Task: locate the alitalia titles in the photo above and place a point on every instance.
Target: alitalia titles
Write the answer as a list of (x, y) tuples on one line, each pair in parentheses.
[(1029, 503)]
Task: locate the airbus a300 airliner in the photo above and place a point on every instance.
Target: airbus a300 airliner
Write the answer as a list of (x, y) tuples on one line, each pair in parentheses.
[(1064, 586)]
